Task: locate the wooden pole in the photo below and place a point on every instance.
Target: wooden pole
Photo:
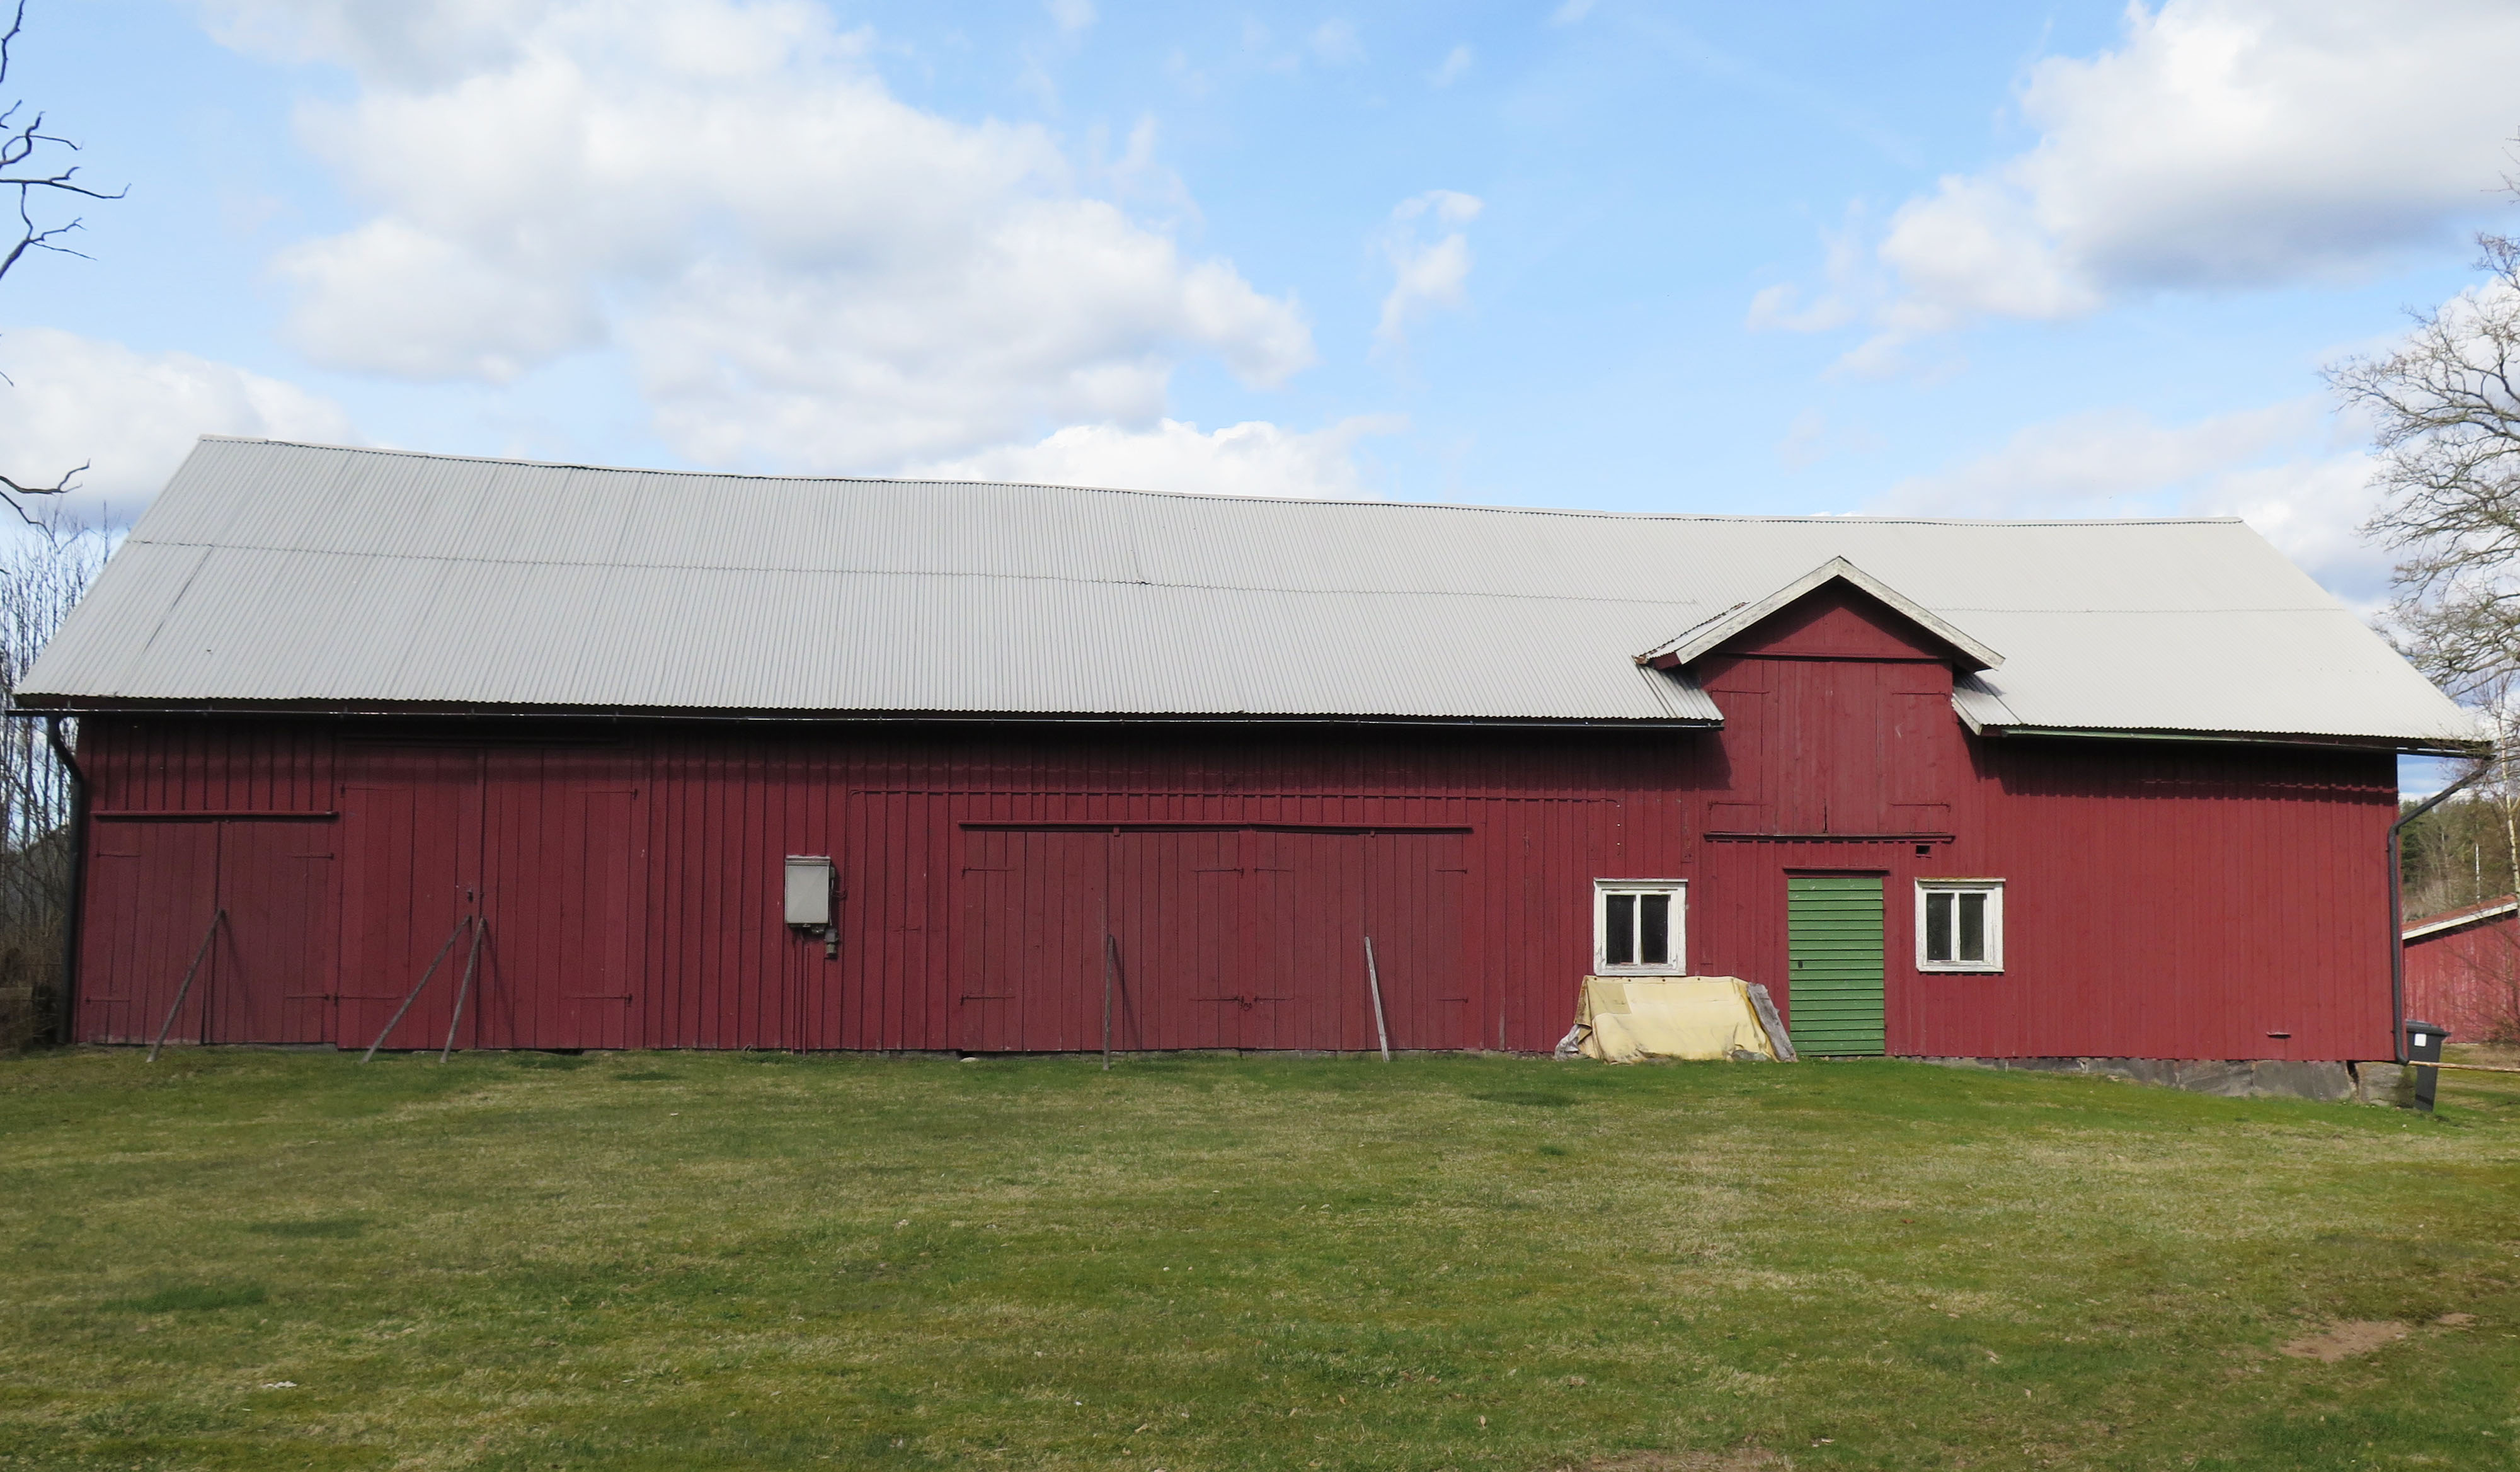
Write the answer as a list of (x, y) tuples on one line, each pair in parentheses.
[(1374, 979), (478, 925), (168, 1025), (1111, 965), (371, 1053)]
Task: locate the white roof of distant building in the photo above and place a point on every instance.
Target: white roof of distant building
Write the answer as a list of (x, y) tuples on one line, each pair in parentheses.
[(2464, 916)]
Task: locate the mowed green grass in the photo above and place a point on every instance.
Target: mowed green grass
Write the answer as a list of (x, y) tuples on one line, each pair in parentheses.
[(649, 1260)]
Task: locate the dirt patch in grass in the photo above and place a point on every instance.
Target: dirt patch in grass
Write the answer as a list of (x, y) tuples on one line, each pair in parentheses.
[(2345, 1340)]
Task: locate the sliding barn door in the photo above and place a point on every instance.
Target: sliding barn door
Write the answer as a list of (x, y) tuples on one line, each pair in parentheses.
[(411, 874), (566, 871), (1223, 938), (274, 977), (151, 890)]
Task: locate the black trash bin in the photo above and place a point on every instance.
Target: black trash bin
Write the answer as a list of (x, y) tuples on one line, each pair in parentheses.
[(2424, 1046)]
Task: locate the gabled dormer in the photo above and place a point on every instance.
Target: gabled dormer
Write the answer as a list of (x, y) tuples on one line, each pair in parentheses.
[(1836, 694)]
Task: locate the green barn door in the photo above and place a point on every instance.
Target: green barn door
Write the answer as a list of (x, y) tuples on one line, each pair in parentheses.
[(1834, 937)]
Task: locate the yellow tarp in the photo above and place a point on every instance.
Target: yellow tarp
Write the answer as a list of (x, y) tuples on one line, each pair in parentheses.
[(1621, 1019)]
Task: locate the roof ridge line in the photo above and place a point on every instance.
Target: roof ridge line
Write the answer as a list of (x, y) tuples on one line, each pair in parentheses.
[(1811, 519), (904, 572), (1100, 582)]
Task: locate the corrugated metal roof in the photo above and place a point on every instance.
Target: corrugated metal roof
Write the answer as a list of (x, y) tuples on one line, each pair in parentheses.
[(2469, 914), (283, 572)]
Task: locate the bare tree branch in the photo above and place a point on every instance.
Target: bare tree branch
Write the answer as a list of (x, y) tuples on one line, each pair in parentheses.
[(2446, 405), (11, 490), (38, 165)]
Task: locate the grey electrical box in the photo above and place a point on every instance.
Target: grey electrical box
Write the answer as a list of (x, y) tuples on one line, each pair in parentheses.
[(809, 891)]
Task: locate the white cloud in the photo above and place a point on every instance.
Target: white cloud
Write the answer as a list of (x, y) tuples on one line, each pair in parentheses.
[(2290, 469), (805, 272), (2223, 144), (392, 298), (1425, 274), (1072, 15), (2313, 510), (134, 414), (1455, 66), (2110, 462), (1336, 44), (1568, 11), (1255, 459)]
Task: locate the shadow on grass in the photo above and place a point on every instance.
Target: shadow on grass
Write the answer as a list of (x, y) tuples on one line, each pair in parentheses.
[(319, 1226), (186, 1298)]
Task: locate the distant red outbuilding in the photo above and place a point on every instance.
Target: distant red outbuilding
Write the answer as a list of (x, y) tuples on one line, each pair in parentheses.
[(2463, 970)]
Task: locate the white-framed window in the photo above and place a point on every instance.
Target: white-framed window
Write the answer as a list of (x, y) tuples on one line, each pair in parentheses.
[(1641, 926), (1960, 925)]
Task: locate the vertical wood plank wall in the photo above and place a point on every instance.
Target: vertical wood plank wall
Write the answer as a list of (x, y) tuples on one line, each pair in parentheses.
[(2163, 899)]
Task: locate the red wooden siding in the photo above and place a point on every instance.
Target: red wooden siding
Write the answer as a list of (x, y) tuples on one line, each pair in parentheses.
[(2467, 980), (2163, 900)]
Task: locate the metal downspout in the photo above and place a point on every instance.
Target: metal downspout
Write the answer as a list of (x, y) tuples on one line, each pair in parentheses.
[(64, 1026), (2398, 910)]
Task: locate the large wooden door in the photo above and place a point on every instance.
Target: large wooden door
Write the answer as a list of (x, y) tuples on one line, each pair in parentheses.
[(410, 845), (1034, 915), (1226, 937), (1833, 940), (1182, 948), (265, 974), (153, 888), (565, 878), (1307, 897), (1413, 892), (274, 978)]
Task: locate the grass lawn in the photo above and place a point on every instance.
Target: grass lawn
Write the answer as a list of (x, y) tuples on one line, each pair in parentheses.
[(280, 1260)]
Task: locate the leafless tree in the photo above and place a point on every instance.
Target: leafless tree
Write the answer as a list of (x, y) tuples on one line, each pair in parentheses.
[(2448, 407), (38, 165), (43, 571), (41, 576)]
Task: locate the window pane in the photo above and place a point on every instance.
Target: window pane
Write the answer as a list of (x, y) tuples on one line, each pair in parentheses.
[(1938, 925), (1619, 927), (1653, 929), (1972, 945)]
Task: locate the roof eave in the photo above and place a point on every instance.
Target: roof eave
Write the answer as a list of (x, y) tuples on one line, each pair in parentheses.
[(2362, 742), (61, 705), (2460, 919)]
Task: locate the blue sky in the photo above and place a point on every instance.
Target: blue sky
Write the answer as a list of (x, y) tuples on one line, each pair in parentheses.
[(1968, 260)]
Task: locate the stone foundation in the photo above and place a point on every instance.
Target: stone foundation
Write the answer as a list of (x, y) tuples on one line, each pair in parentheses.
[(2237, 1079)]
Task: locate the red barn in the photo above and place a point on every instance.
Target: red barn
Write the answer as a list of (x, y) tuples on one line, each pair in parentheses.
[(2463, 970), (660, 760)]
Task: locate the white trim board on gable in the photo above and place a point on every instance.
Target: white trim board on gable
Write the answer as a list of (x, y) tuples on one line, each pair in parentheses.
[(1699, 642)]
